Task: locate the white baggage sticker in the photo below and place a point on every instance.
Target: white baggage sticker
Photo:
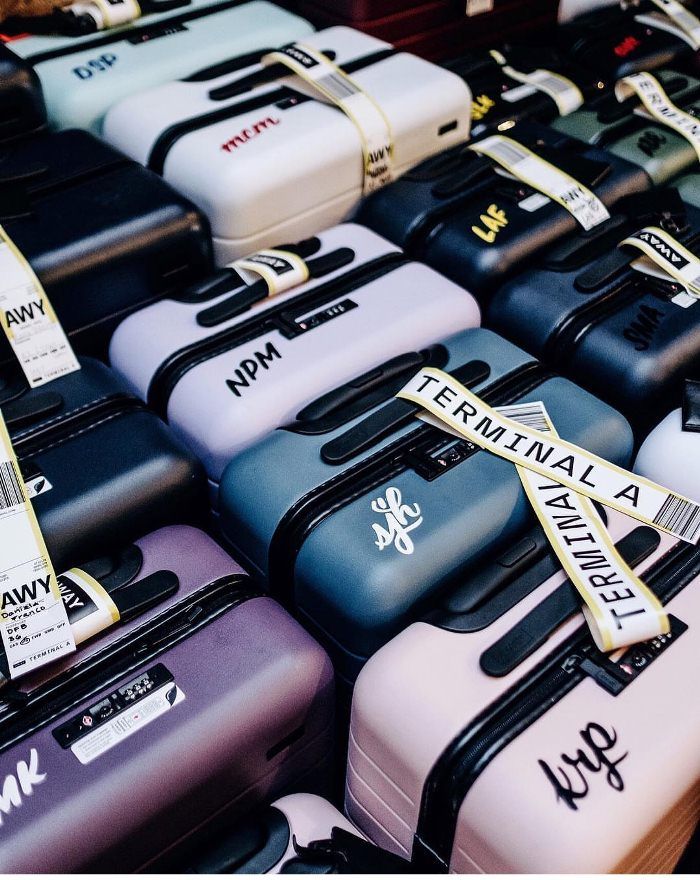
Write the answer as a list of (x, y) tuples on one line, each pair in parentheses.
[(579, 201), (336, 87), (30, 324), (676, 19), (565, 93), (675, 260), (33, 620), (659, 106), (619, 608), (588, 474), (280, 270)]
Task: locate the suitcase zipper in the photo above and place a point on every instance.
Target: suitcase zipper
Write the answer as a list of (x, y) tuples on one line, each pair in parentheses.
[(167, 139), (135, 34), (22, 714), (385, 464), (280, 317), (465, 758)]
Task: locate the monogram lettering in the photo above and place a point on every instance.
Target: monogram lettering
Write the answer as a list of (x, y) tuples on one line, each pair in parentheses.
[(398, 518), (494, 220), (248, 134), (21, 782)]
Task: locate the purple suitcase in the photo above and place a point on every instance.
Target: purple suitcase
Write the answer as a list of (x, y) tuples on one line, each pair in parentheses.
[(214, 702)]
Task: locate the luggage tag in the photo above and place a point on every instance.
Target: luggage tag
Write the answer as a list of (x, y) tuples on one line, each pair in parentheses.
[(331, 84), (104, 14), (577, 199), (280, 269), (565, 93), (665, 258), (620, 609), (29, 321), (674, 18)]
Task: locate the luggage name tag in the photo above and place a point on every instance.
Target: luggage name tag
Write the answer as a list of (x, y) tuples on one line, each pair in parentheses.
[(658, 106), (280, 270), (106, 13), (550, 456), (579, 201), (29, 321), (33, 620), (331, 84), (89, 606), (676, 20), (668, 259), (565, 93)]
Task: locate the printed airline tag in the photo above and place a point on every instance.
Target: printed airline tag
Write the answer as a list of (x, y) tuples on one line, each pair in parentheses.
[(33, 621), (561, 461), (669, 255), (333, 85), (676, 19), (541, 175), (89, 606), (29, 321), (107, 13), (659, 106), (619, 608), (281, 270), (565, 93)]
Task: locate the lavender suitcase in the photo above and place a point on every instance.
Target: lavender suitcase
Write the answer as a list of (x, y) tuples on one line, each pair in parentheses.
[(225, 380), (500, 740), (217, 700)]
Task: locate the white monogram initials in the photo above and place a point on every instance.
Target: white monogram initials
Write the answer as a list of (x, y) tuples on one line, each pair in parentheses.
[(397, 517)]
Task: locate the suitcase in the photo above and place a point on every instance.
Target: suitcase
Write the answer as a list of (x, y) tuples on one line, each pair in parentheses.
[(225, 380), (99, 467), (570, 9), (500, 100), (362, 535), (670, 451), (614, 42), (22, 109), (494, 737), (199, 135), (103, 235), (83, 75), (214, 701), (689, 187), (616, 126), (433, 211), (297, 834), (625, 335)]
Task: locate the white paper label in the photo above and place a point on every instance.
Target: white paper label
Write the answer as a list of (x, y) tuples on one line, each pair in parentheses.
[(127, 722), (29, 322), (578, 200), (107, 13), (33, 620), (534, 202), (336, 87), (280, 270), (565, 94), (518, 93), (675, 19), (478, 7), (675, 260)]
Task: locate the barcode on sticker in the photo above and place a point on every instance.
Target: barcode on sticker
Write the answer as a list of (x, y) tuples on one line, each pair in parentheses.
[(10, 489), (531, 415), (679, 516), (556, 85), (336, 85), (507, 152)]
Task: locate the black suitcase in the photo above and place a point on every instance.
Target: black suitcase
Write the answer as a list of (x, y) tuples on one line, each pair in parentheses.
[(104, 235), (22, 109), (100, 468), (436, 211), (627, 336)]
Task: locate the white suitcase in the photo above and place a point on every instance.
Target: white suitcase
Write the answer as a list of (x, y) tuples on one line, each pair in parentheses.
[(485, 742), (266, 163), (224, 386), (82, 76)]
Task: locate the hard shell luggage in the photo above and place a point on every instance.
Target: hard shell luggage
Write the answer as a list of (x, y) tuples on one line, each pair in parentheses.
[(216, 700), (250, 151), (382, 513), (670, 453), (297, 834), (226, 370), (100, 468), (103, 235), (623, 333), (495, 737), (614, 42), (618, 127), (83, 74), (438, 211), (22, 109), (689, 187)]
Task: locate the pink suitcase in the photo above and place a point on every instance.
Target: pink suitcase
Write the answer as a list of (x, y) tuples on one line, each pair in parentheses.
[(498, 739)]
